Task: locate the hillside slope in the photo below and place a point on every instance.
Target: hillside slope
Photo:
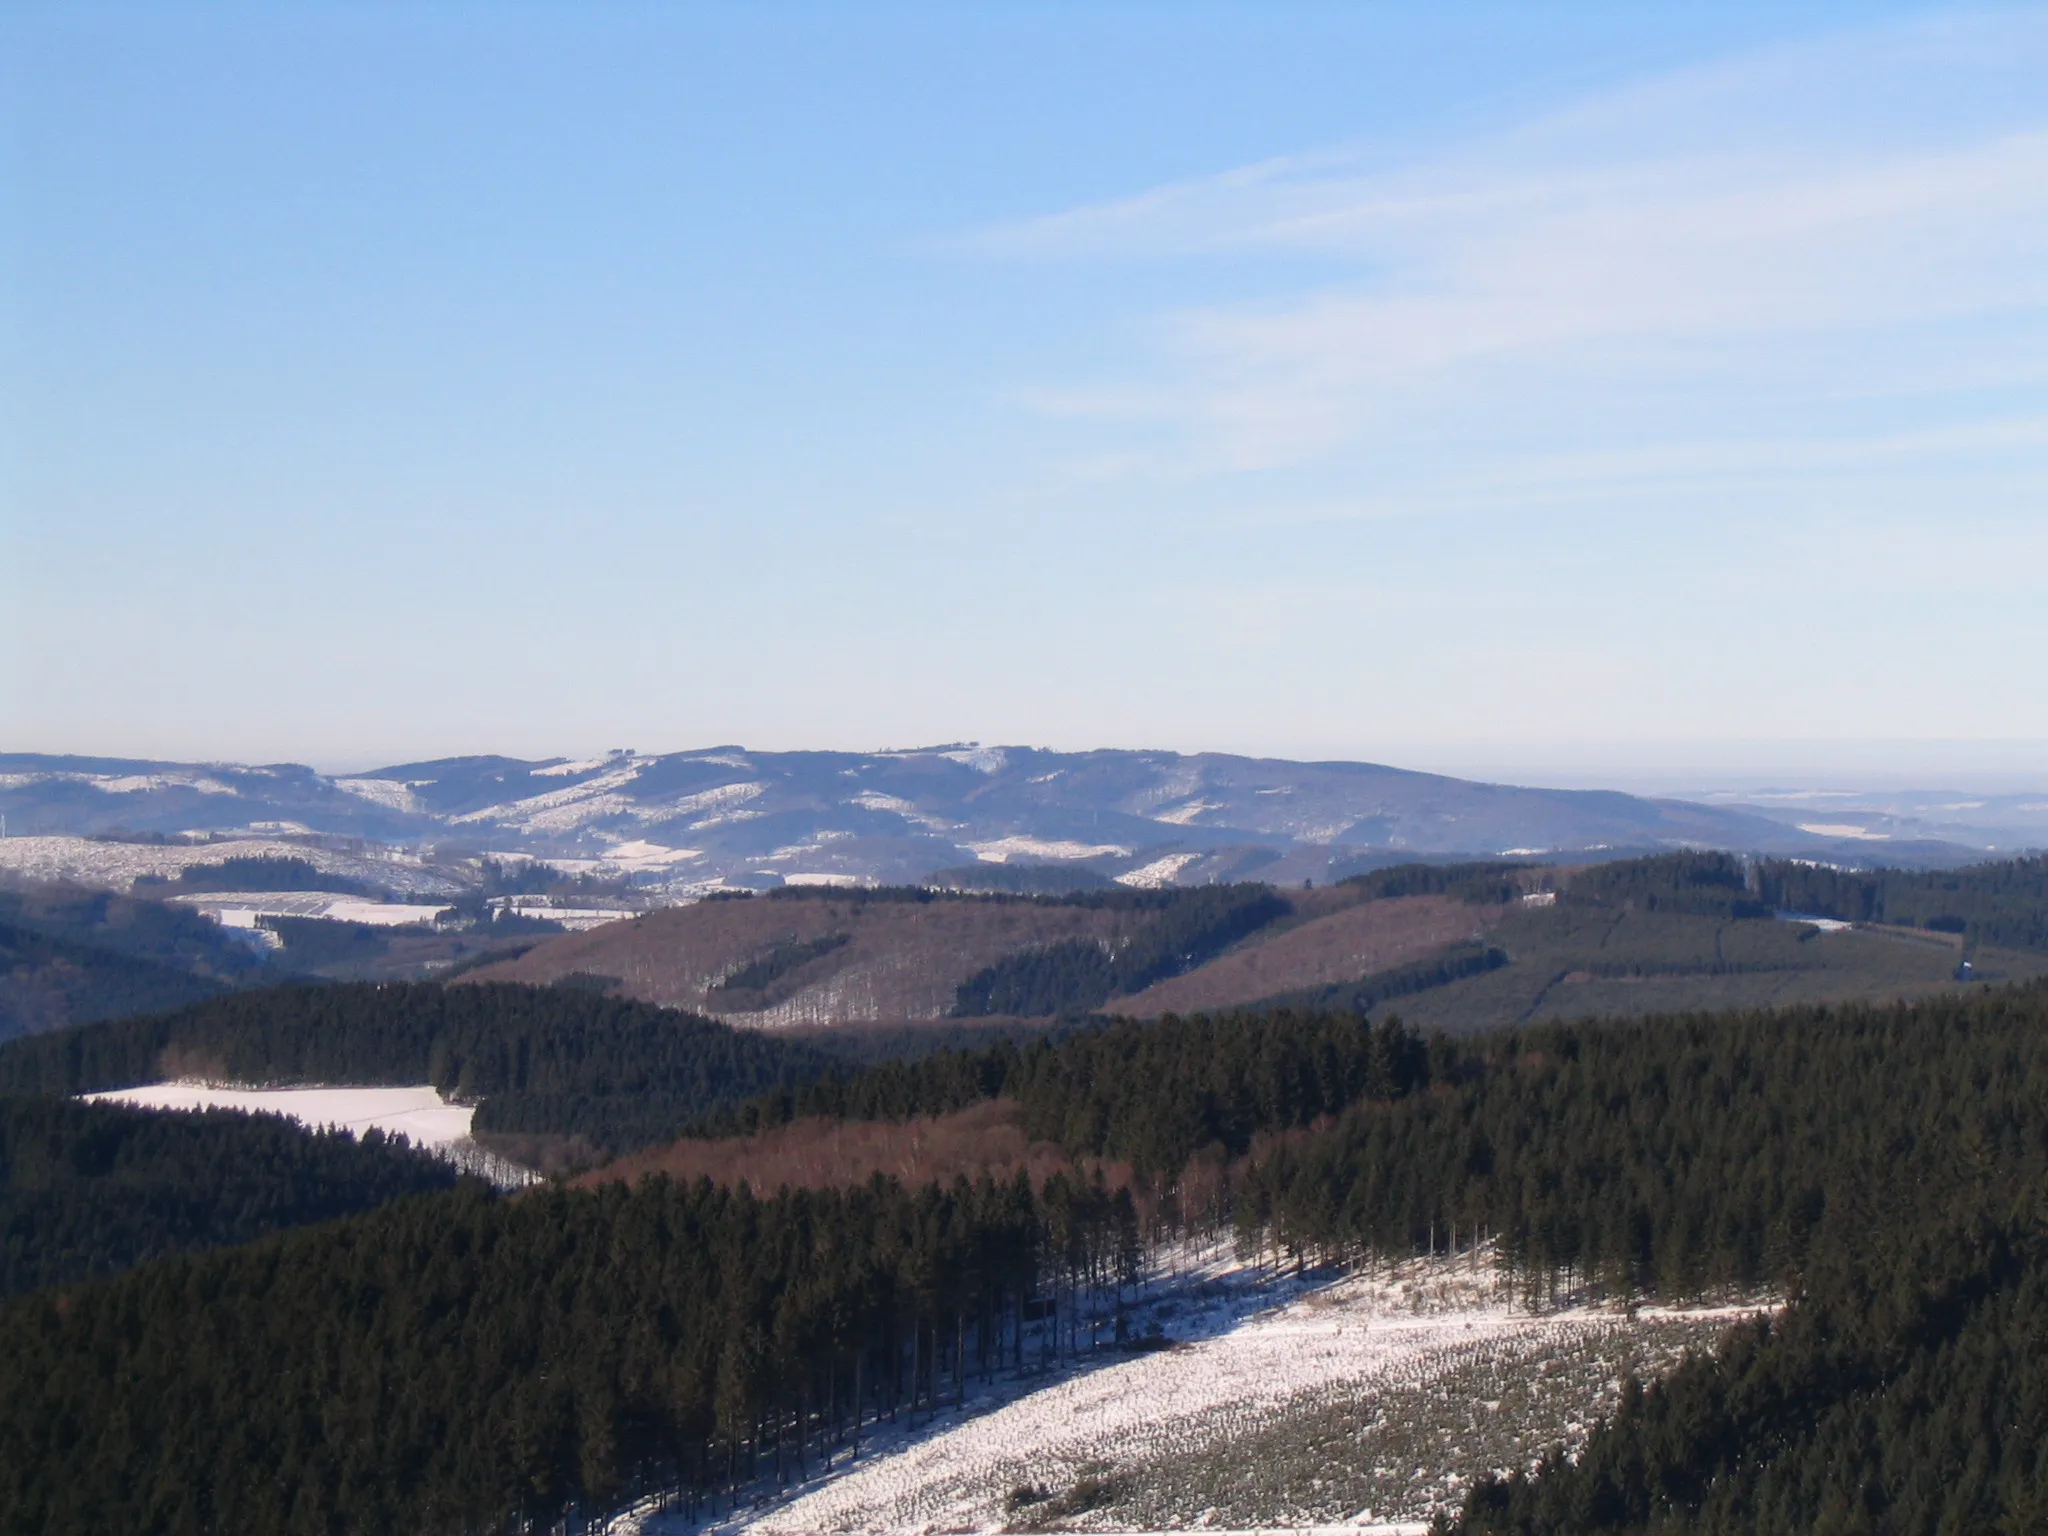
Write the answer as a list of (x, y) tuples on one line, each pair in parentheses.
[(1459, 958), (820, 960), (729, 816)]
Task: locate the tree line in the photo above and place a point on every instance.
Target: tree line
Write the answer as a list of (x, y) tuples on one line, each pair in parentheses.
[(88, 1190), (460, 1363), (551, 1060), (2002, 902), (1148, 1094)]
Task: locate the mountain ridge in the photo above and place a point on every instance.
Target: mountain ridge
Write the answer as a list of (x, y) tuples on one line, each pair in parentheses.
[(728, 816)]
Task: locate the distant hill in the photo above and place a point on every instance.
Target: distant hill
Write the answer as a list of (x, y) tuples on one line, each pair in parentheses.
[(1456, 948), (69, 956), (727, 816)]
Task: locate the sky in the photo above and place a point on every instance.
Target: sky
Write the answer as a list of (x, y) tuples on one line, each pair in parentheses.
[(1553, 388)]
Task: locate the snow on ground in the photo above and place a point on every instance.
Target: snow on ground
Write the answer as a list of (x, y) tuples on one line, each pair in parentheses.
[(419, 1114), (88, 861), (570, 770), (1370, 1402), (641, 854), (575, 919), (1824, 924), (392, 794), (1004, 849), (121, 783), (1159, 872), (875, 800), (240, 909), (561, 810)]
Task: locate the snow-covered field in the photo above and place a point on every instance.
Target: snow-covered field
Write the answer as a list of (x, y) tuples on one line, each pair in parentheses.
[(1004, 849), (1370, 1402), (240, 909), (1158, 873), (420, 1114), (117, 865)]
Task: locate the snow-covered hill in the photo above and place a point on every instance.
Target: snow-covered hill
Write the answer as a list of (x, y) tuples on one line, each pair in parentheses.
[(725, 815)]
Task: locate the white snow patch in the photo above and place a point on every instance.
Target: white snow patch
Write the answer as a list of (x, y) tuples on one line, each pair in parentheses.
[(980, 759), (642, 854), (1844, 829), (875, 800), (1182, 815), (575, 919), (118, 865), (563, 809), (138, 783), (1158, 873), (121, 783), (724, 795), (240, 909), (392, 794), (567, 770), (1824, 924), (420, 1113), (795, 877), (1004, 849)]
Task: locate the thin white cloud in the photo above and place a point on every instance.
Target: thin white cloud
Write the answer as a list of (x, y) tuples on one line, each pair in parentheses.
[(1819, 223)]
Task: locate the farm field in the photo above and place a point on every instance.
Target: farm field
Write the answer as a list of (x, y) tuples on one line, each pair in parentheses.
[(1371, 1401)]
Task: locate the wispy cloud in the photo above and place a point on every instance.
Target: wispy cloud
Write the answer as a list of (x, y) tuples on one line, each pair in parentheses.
[(1856, 222)]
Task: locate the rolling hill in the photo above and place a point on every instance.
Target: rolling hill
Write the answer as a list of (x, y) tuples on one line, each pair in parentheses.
[(1454, 949), (686, 822)]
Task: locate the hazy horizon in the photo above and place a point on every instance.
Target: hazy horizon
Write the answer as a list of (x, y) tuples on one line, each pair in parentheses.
[(1591, 389)]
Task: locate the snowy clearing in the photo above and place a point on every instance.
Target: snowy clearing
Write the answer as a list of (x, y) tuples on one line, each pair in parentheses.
[(240, 909), (1004, 849), (117, 865), (392, 794), (419, 1114), (569, 770), (1158, 873), (642, 854), (1371, 1402)]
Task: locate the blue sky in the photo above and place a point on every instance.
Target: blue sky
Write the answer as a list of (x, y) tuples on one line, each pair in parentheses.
[(1467, 386)]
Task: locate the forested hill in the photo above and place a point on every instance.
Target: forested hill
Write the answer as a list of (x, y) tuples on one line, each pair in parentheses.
[(460, 1363), (2003, 903), (69, 956), (88, 1190), (537, 1060)]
